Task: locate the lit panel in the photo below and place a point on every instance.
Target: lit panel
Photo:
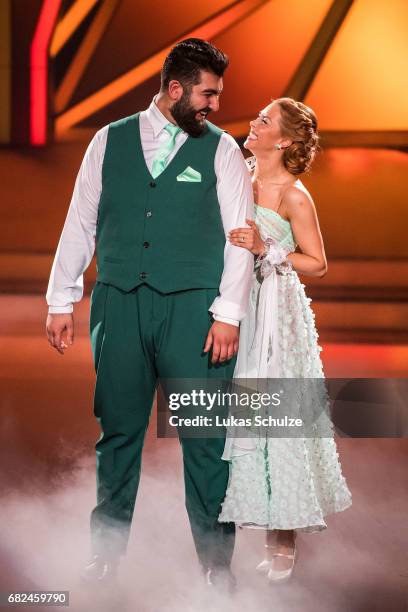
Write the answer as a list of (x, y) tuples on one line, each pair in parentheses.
[(265, 49), (361, 83), (39, 71)]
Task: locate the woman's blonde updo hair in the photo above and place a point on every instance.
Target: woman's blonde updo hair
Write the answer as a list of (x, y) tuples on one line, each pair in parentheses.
[(299, 123)]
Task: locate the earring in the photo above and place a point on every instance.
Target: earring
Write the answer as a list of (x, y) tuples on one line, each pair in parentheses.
[(278, 146)]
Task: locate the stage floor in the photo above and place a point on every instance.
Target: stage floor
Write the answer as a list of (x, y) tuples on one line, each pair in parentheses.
[(47, 434)]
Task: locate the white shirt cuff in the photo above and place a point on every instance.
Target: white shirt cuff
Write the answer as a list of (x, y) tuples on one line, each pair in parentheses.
[(60, 309), (226, 320), (224, 308)]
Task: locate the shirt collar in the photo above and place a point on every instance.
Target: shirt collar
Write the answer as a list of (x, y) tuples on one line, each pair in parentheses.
[(156, 118)]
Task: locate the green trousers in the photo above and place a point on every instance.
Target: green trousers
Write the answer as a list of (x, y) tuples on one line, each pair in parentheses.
[(138, 337)]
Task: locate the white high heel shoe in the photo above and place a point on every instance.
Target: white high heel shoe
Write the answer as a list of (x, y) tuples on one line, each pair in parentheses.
[(264, 566), (282, 575)]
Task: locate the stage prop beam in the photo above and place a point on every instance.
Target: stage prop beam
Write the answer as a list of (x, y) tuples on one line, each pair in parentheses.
[(69, 23), (84, 55), (314, 56)]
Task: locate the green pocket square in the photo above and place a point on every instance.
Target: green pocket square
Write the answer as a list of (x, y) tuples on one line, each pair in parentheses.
[(189, 175)]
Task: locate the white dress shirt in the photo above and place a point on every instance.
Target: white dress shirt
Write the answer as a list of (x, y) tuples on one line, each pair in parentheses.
[(77, 243)]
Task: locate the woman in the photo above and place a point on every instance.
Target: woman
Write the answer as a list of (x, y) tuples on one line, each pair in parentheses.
[(283, 485)]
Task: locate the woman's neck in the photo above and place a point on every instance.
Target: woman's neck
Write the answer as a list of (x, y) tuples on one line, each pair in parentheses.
[(270, 169)]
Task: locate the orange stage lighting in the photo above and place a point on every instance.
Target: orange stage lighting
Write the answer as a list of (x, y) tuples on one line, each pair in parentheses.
[(84, 55), (69, 24)]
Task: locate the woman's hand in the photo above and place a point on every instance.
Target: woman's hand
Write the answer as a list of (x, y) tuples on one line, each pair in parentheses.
[(248, 238)]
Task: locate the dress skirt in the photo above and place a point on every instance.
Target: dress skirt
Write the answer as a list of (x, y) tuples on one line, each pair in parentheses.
[(283, 483)]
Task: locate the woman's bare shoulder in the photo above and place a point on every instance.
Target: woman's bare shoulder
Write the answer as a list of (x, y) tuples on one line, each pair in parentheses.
[(297, 197)]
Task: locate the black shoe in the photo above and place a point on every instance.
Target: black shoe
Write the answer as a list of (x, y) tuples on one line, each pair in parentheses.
[(221, 579), (100, 570)]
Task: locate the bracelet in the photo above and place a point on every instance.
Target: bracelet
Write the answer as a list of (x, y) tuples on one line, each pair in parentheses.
[(274, 255), (267, 245)]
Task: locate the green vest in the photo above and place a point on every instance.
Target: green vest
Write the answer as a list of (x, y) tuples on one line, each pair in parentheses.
[(164, 232)]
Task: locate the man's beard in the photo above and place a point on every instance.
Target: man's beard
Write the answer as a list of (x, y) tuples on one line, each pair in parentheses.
[(185, 116)]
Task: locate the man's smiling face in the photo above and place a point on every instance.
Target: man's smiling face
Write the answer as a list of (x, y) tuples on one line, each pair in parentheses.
[(191, 110)]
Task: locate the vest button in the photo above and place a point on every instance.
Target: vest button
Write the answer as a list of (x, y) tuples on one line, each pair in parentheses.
[(142, 275), (152, 184), (149, 213), (146, 245)]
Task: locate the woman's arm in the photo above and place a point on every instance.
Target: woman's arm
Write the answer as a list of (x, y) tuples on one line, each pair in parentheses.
[(301, 212)]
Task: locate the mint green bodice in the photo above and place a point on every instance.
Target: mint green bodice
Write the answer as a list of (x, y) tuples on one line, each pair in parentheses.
[(271, 224)]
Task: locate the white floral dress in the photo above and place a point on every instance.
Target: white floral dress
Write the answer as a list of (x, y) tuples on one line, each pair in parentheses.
[(281, 483)]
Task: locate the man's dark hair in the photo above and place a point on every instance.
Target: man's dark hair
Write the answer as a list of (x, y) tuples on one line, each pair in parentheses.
[(188, 58)]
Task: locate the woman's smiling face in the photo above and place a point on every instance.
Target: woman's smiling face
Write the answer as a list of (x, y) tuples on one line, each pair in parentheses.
[(265, 130)]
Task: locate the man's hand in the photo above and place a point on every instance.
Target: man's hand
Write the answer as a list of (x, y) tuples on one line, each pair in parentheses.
[(56, 326), (224, 338)]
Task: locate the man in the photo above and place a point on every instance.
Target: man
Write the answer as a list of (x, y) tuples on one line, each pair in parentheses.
[(157, 192)]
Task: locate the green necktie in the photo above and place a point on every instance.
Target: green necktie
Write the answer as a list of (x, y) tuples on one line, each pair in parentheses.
[(162, 155)]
